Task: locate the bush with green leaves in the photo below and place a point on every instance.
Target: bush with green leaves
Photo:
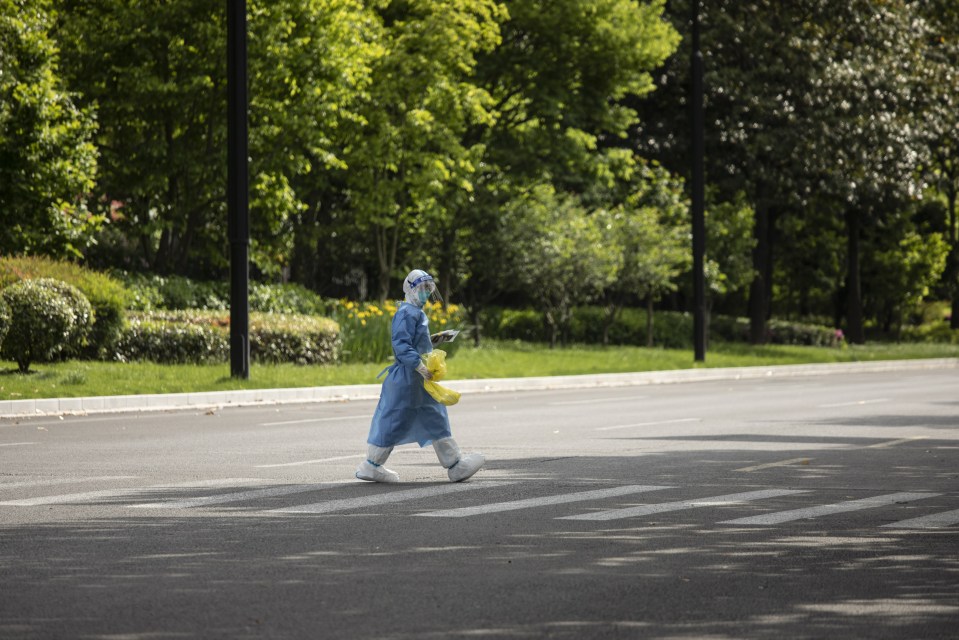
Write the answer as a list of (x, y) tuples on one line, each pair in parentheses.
[(299, 339), (106, 295), (47, 318), (4, 319), (151, 292), (777, 332), (938, 332), (170, 342), (177, 336)]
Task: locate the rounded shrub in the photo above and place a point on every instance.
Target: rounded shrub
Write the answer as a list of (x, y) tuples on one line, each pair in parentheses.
[(46, 317), (195, 337), (170, 341), (106, 295), (4, 319), (299, 339)]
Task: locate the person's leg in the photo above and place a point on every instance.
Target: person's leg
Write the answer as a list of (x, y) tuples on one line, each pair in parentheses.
[(372, 468), (460, 466)]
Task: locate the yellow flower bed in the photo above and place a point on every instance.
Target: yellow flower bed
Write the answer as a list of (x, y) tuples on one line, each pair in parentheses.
[(365, 327)]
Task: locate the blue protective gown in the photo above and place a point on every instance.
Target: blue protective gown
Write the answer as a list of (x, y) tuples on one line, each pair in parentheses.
[(405, 412)]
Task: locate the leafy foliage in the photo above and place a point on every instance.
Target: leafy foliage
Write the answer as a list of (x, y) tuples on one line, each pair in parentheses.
[(47, 317), (179, 337), (106, 295), (48, 161)]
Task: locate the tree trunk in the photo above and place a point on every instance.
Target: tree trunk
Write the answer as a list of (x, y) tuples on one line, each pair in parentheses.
[(758, 303), (854, 319), (649, 320), (609, 317), (551, 325), (953, 258), (474, 313), (305, 244)]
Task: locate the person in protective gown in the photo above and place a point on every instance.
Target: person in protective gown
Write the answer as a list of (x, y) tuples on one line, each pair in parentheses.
[(406, 413)]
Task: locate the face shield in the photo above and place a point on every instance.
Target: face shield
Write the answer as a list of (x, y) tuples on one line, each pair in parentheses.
[(419, 287)]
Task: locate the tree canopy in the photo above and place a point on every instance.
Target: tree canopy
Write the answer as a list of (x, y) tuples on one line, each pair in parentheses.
[(502, 144)]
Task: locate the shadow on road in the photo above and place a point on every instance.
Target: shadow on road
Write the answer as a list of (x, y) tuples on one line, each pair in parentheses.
[(235, 571)]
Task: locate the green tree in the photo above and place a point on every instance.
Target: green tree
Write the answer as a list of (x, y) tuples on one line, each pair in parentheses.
[(865, 141), (940, 109), (47, 158), (903, 276), (729, 244), (559, 255), (409, 148), (156, 74), (758, 74), (560, 84), (156, 71), (311, 71), (650, 232)]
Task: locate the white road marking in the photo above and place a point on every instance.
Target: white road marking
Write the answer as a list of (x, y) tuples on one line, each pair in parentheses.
[(781, 463), (934, 521), (302, 462), (596, 401), (309, 420), (16, 444), (830, 509), (852, 404), (892, 443), (239, 496), (648, 424), (543, 501), (387, 497), (94, 496), (53, 481), (648, 509)]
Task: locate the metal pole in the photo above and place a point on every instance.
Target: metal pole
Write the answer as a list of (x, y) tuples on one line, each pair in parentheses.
[(237, 198), (698, 195)]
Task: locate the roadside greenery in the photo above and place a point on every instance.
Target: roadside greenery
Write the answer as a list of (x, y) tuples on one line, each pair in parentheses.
[(532, 155), (495, 359)]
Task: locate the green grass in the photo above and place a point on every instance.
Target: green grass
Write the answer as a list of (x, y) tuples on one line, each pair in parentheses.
[(495, 360)]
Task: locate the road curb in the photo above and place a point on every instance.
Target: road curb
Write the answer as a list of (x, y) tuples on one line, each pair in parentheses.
[(346, 393)]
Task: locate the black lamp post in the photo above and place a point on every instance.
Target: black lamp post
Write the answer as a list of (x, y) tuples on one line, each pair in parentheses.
[(237, 198), (698, 195)]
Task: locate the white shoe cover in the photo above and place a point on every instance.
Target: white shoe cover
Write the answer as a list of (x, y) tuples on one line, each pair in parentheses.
[(376, 473), (466, 467), (460, 467)]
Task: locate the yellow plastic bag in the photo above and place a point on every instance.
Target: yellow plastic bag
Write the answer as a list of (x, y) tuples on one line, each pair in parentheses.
[(435, 361)]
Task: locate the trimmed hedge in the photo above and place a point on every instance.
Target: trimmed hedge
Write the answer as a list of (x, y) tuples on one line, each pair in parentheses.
[(938, 332), (4, 319), (106, 295), (294, 338), (151, 292), (47, 317), (671, 329), (203, 336), (777, 332)]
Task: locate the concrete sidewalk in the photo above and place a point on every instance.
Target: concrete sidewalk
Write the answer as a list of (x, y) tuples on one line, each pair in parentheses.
[(216, 399)]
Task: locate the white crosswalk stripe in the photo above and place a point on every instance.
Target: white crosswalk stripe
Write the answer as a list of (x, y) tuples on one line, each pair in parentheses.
[(109, 494), (387, 497), (830, 509), (240, 496), (54, 481), (529, 503), (197, 494), (648, 509), (933, 521)]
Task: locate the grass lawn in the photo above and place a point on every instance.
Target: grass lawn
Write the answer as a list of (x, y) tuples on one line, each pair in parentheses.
[(75, 379)]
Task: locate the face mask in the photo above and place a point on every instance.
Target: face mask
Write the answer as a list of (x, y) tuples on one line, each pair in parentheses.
[(422, 296)]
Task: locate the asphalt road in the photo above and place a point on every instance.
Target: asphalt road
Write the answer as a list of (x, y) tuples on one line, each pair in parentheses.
[(814, 507)]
